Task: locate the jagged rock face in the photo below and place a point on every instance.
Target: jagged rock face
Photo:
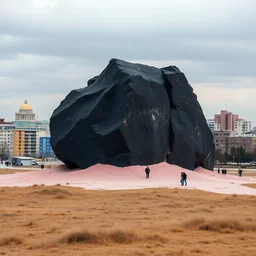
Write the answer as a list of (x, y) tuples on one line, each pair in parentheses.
[(191, 141), (132, 114)]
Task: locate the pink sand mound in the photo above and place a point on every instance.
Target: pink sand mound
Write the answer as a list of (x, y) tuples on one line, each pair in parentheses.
[(133, 177)]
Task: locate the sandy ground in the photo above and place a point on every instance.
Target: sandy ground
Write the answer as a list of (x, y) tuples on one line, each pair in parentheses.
[(46, 220), (106, 177)]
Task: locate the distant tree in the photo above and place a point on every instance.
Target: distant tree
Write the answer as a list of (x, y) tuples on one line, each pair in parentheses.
[(253, 154), (219, 156), (234, 154), (4, 149), (239, 155), (242, 154)]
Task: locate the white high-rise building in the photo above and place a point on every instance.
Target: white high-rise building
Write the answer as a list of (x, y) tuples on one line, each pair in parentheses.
[(216, 127), (210, 123), (242, 126)]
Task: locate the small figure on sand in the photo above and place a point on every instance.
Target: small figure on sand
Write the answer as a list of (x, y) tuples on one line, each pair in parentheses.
[(218, 170), (183, 179), (240, 172), (147, 171)]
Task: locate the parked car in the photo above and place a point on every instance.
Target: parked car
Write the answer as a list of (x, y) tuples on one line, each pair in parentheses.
[(253, 163), (34, 162)]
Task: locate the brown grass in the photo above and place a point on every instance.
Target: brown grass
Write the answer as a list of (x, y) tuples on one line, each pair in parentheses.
[(100, 237), (218, 225), (158, 238), (137, 222), (54, 191), (10, 240), (28, 169), (106, 237), (10, 171), (250, 185)]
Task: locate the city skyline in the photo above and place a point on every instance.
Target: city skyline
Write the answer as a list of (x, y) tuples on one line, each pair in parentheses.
[(49, 47), (207, 119)]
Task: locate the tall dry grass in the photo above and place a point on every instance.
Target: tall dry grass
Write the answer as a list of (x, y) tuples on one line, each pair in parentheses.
[(103, 237), (218, 224), (100, 237), (53, 191), (11, 239)]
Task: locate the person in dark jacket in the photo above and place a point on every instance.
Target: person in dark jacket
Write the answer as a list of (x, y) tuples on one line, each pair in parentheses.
[(182, 178), (185, 178), (147, 171)]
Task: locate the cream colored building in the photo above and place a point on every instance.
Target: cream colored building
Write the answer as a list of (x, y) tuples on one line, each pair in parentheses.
[(25, 113)]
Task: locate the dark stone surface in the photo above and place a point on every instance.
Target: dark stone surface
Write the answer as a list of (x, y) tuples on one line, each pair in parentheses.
[(191, 141), (92, 80), (132, 114)]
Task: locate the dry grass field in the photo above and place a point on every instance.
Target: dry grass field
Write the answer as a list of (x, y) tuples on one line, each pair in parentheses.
[(10, 171), (17, 169), (253, 185), (59, 220)]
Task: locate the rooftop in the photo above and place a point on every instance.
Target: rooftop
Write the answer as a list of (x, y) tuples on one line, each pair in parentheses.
[(24, 157), (25, 106)]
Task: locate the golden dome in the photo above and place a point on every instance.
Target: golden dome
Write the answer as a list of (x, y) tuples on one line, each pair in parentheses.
[(25, 106)]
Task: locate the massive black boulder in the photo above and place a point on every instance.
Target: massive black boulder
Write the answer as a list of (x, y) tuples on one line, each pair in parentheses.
[(132, 114)]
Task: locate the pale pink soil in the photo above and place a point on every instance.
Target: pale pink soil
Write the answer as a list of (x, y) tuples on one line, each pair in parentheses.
[(114, 178)]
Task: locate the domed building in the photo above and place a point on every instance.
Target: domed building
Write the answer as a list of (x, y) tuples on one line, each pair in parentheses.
[(25, 113), (29, 135)]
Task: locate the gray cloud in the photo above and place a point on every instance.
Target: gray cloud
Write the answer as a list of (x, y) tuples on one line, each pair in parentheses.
[(48, 47)]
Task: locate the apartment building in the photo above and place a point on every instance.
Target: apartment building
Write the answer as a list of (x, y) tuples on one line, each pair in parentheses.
[(242, 126), (6, 129), (224, 141)]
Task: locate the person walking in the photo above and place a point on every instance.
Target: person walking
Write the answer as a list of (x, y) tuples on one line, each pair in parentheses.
[(185, 179), (147, 171), (240, 172), (182, 178)]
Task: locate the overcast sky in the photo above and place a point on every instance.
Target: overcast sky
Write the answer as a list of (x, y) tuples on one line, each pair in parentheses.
[(49, 47)]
